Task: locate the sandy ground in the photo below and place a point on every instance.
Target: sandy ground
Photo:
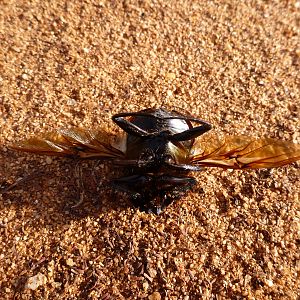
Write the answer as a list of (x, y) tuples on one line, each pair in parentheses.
[(232, 63)]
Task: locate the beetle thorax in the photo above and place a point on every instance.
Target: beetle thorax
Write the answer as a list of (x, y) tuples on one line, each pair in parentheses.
[(156, 150), (150, 152)]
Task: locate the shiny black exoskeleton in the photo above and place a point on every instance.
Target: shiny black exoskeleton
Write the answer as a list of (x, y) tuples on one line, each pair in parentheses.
[(158, 147)]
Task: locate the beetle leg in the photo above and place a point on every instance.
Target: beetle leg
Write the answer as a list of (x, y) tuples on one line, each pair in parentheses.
[(130, 184), (128, 126), (184, 167), (192, 133), (135, 183), (166, 182)]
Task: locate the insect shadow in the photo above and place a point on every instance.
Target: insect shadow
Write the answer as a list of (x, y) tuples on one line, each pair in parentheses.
[(77, 188)]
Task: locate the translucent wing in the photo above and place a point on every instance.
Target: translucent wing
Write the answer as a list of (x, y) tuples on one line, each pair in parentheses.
[(73, 142), (243, 152)]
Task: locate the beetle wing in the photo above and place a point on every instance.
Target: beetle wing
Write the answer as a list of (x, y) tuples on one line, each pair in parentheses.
[(243, 152), (73, 142)]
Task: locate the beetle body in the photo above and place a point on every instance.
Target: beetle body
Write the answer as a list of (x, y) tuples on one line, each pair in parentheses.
[(158, 153), (161, 147)]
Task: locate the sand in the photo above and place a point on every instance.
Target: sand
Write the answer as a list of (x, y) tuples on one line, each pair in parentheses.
[(234, 64)]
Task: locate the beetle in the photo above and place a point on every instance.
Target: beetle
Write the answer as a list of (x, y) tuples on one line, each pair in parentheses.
[(159, 149)]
